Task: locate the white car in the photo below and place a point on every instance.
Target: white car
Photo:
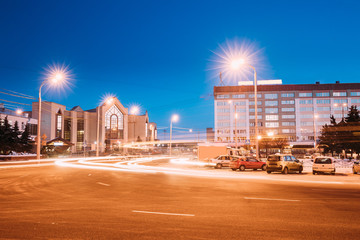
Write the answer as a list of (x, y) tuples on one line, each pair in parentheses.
[(324, 165), (222, 161), (356, 167)]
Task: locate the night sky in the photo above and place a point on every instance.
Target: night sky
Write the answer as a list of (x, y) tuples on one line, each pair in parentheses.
[(159, 54)]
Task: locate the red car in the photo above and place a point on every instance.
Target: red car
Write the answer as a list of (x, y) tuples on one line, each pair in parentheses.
[(243, 163)]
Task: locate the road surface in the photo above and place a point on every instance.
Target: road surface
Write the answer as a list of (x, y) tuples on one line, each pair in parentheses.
[(154, 201)]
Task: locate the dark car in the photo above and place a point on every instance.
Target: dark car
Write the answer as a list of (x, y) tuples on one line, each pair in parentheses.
[(243, 163)]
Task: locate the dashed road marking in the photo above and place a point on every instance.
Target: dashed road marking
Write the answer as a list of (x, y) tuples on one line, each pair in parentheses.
[(104, 184), (163, 213), (272, 199)]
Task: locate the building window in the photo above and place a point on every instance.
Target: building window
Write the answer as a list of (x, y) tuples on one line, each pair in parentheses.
[(288, 102), (221, 103), (272, 117), (323, 101), (355, 94), (271, 110), (306, 109), (253, 116), (242, 103), (324, 115), (356, 100), (58, 125), (306, 115), (305, 94), (271, 124), (114, 123), (271, 103), (223, 110), (323, 108), (252, 103), (223, 96), (306, 101), (271, 96), (226, 117), (307, 123), (287, 95), (288, 116), (238, 96), (253, 95), (340, 101), (80, 130), (67, 129), (288, 109), (339, 94), (322, 94), (253, 110), (288, 123)]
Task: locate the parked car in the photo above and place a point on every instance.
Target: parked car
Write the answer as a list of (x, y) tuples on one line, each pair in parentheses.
[(221, 161), (356, 167), (243, 163), (283, 163), (324, 165)]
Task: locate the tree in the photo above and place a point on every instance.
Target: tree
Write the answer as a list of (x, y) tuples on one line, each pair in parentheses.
[(5, 137), (25, 140), (344, 135)]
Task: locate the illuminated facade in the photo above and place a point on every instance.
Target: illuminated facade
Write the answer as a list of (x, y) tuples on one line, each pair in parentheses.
[(23, 119), (283, 110), (80, 127)]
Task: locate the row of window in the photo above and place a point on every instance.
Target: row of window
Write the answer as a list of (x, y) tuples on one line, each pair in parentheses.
[(285, 102), (301, 94)]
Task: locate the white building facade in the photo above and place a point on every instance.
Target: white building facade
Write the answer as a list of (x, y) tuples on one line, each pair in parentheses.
[(295, 112)]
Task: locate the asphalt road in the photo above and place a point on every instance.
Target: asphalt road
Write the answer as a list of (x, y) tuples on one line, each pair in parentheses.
[(56, 202)]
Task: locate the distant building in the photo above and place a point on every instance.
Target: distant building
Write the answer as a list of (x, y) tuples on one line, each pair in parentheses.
[(140, 129), (210, 134), (286, 110), (107, 125), (23, 119)]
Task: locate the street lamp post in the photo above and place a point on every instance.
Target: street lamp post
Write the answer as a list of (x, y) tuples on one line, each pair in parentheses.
[(314, 125), (174, 118), (55, 77), (235, 65)]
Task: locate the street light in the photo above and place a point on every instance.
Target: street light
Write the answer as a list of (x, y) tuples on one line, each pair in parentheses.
[(315, 117), (174, 118), (108, 100), (235, 65), (56, 75), (19, 111)]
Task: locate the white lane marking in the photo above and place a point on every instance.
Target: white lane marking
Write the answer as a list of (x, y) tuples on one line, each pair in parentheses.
[(104, 184), (272, 199), (162, 213)]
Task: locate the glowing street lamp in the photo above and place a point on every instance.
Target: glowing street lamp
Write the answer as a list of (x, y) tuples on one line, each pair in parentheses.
[(235, 65), (55, 76), (19, 111), (108, 101), (174, 118)]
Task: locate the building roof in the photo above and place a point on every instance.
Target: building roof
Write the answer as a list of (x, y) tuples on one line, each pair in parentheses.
[(288, 87)]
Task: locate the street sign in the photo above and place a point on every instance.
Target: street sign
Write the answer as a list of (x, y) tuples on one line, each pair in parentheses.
[(247, 141)]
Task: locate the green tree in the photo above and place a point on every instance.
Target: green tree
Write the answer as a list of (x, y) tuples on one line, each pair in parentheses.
[(25, 140), (5, 137)]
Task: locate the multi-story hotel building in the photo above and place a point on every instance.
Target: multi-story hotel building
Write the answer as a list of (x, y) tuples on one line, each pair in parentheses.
[(292, 111)]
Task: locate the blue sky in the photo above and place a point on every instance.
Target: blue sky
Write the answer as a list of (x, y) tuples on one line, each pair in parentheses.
[(158, 53)]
